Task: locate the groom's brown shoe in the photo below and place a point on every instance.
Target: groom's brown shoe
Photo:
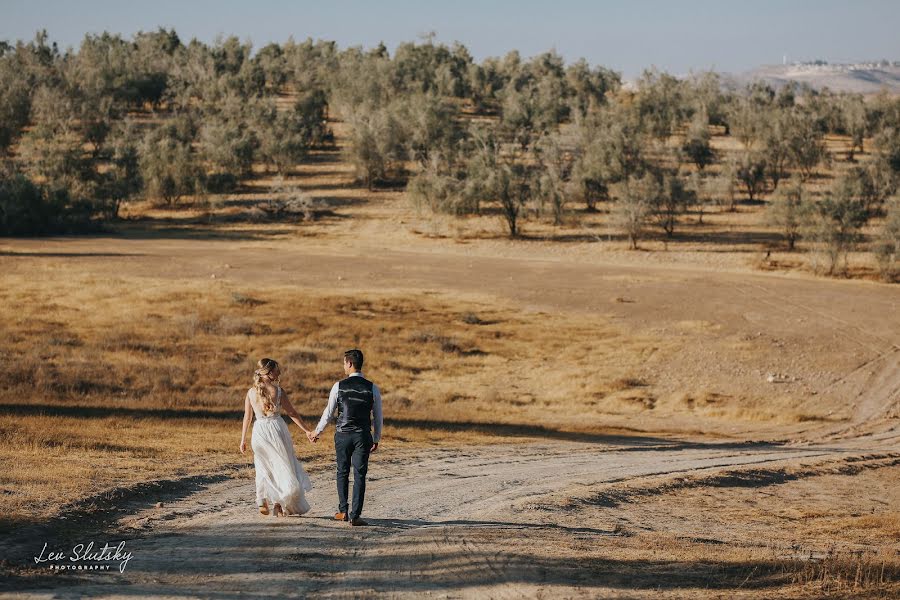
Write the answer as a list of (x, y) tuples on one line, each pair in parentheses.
[(357, 522), (341, 517)]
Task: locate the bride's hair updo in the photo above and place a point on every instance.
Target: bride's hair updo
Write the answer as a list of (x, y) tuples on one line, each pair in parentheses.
[(267, 371)]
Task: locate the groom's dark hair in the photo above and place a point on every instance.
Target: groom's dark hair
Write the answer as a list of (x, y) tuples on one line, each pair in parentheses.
[(355, 357)]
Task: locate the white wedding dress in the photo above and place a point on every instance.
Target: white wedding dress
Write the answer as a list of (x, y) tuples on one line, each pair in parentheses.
[(280, 478)]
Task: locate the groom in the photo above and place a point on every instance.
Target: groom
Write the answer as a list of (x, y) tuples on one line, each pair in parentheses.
[(353, 402)]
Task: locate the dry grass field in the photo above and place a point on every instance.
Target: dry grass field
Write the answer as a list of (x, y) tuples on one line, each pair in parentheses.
[(720, 399), (116, 381)]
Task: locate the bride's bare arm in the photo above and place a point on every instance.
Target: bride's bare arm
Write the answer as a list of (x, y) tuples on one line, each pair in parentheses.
[(248, 417), (288, 409)]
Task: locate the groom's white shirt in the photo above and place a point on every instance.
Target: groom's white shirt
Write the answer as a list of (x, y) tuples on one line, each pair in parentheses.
[(331, 409)]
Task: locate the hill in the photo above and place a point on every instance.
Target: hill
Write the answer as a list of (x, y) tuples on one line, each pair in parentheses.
[(859, 78)]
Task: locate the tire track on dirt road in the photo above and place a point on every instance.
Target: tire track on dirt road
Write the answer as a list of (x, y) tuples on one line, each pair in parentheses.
[(437, 524), (880, 393)]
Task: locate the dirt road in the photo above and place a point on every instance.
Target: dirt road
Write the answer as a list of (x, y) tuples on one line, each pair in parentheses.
[(446, 523)]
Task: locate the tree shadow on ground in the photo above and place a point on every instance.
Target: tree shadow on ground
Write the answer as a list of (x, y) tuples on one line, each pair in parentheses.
[(409, 556), (70, 254), (625, 439), (195, 229)]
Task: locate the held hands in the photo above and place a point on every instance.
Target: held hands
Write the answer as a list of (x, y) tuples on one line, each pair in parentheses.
[(312, 437)]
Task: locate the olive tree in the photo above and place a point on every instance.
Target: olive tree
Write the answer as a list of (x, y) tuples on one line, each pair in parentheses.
[(671, 200), (551, 191), (703, 190), (724, 186), (750, 170), (121, 179), (887, 244), (610, 148), (589, 86), (746, 121), (286, 137), (28, 209), (273, 64), (871, 184), (806, 146), (704, 94), (229, 145), (52, 151), (776, 144), (887, 144), (835, 226), (499, 174), (661, 103), (855, 123), (168, 165), (15, 102), (696, 144), (590, 179), (433, 128), (633, 206), (438, 192), (525, 115), (789, 211), (378, 143)]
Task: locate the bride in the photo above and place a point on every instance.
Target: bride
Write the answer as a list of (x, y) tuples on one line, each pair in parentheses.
[(281, 481)]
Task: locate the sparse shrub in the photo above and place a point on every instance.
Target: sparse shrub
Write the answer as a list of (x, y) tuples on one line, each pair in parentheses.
[(471, 318), (229, 325), (244, 300), (294, 203), (446, 344)]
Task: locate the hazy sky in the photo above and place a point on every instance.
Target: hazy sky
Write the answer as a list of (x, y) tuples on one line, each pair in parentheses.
[(676, 35)]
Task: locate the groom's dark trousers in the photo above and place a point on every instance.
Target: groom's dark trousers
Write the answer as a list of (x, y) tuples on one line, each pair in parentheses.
[(352, 449)]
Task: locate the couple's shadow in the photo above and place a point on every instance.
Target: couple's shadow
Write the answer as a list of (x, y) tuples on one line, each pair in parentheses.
[(401, 524)]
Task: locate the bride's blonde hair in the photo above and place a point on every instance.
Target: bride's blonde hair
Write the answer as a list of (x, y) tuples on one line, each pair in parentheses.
[(267, 370)]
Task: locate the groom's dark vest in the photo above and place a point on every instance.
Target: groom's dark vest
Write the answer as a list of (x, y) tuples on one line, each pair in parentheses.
[(354, 405)]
